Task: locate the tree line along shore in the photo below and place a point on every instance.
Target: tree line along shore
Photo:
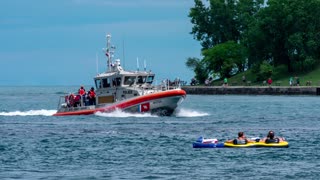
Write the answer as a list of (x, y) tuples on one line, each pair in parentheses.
[(260, 39)]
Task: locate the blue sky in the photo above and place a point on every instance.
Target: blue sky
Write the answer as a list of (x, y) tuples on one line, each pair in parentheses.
[(56, 42)]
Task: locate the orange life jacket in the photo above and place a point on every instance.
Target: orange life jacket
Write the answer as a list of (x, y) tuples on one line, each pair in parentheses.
[(92, 94), (82, 92)]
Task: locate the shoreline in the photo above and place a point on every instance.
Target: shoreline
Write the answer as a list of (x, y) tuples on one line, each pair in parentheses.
[(253, 90)]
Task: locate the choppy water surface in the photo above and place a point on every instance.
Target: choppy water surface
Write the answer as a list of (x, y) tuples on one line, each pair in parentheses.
[(36, 145)]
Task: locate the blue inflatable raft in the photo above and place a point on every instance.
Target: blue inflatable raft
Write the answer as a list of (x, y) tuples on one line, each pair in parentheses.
[(207, 143)]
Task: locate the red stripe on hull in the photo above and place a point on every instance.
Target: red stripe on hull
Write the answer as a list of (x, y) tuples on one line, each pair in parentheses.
[(128, 103)]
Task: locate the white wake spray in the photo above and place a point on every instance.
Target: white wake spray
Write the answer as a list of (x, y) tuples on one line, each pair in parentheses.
[(178, 113), (189, 113), (121, 114), (42, 112)]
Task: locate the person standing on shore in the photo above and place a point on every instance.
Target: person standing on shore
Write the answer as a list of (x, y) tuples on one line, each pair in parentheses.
[(291, 81), (244, 79), (225, 82), (269, 81), (297, 81)]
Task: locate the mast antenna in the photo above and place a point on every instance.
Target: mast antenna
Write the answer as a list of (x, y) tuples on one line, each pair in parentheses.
[(108, 52), (137, 63), (97, 65), (123, 54)]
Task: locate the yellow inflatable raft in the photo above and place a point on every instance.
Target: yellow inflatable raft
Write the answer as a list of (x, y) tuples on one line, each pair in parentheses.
[(283, 144)]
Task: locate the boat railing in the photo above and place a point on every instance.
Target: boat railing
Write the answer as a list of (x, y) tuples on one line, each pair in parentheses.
[(157, 88), (171, 85), (59, 103), (64, 102)]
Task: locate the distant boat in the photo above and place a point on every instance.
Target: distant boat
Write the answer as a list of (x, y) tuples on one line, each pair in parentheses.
[(128, 91)]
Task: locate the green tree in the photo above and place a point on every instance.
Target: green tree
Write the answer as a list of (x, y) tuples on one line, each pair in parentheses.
[(263, 71), (247, 12), (286, 32), (219, 21), (222, 20), (214, 24), (200, 69), (282, 32), (199, 15), (225, 59)]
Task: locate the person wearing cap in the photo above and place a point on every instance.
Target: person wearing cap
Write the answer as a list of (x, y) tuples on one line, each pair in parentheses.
[(271, 138), (92, 97), (240, 140)]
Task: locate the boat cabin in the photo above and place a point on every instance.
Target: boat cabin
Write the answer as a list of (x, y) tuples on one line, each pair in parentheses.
[(118, 84), (123, 81)]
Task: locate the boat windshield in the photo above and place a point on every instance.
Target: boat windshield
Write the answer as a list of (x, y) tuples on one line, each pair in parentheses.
[(98, 83), (150, 79), (106, 82), (116, 81), (129, 80), (141, 79)]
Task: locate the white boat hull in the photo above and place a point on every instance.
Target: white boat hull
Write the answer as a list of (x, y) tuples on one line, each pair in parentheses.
[(162, 103)]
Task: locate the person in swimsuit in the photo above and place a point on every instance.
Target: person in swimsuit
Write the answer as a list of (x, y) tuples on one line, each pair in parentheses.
[(271, 138), (240, 140)]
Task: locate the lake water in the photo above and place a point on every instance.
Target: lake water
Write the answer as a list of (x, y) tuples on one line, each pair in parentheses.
[(36, 145)]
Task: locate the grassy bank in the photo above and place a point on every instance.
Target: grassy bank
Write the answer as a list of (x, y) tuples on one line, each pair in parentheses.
[(280, 77)]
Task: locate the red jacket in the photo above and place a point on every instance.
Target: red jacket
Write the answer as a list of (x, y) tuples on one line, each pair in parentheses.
[(82, 92), (92, 94)]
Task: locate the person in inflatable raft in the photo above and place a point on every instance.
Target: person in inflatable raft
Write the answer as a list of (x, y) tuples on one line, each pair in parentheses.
[(271, 138), (240, 140)]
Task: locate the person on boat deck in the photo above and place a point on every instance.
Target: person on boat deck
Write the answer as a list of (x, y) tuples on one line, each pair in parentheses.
[(92, 97), (271, 138), (70, 100), (240, 140), (82, 93), (73, 100)]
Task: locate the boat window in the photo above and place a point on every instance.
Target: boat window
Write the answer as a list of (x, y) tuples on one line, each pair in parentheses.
[(150, 79), (106, 82), (129, 80), (116, 81), (98, 83), (141, 79)]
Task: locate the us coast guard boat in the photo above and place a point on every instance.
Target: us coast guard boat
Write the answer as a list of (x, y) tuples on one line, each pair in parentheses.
[(128, 91)]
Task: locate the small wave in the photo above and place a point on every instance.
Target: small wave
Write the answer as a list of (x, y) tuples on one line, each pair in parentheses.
[(41, 112), (189, 113), (60, 92), (121, 114)]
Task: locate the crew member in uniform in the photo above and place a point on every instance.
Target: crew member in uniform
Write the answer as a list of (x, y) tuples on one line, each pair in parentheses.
[(82, 93), (92, 97)]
